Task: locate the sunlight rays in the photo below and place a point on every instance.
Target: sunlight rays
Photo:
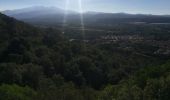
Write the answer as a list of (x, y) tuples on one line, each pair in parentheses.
[(65, 17), (82, 23), (65, 14), (81, 18)]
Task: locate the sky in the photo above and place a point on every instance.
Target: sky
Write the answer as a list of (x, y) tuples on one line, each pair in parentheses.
[(158, 7)]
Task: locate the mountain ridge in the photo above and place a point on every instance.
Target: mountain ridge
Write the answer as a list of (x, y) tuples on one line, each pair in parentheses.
[(54, 8), (54, 15)]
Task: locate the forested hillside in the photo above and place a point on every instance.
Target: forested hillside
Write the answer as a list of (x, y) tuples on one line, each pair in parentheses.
[(43, 64)]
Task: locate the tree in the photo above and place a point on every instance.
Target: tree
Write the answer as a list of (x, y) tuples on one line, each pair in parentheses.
[(15, 92), (10, 73), (31, 75)]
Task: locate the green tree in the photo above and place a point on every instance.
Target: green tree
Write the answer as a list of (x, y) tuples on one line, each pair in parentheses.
[(10, 73), (15, 92)]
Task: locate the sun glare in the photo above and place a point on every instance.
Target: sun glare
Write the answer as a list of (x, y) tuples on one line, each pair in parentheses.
[(81, 16), (65, 14), (80, 8)]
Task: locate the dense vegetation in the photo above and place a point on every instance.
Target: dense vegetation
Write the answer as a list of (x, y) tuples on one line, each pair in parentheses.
[(42, 64)]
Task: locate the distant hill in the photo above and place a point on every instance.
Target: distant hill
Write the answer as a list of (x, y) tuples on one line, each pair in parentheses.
[(37, 11), (53, 15)]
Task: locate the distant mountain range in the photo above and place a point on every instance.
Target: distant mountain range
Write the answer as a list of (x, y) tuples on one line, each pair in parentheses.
[(36, 11), (53, 15)]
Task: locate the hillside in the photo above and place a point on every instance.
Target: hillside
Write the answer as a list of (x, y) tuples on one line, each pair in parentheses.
[(43, 64)]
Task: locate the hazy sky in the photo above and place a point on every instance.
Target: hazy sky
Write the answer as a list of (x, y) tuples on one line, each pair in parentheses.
[(128, 6)]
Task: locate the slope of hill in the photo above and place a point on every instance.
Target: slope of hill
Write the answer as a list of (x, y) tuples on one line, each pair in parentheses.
[(10, 27), (42, 64)]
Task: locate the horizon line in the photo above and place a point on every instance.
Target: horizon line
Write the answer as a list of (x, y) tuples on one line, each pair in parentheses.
[(86, 11)]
